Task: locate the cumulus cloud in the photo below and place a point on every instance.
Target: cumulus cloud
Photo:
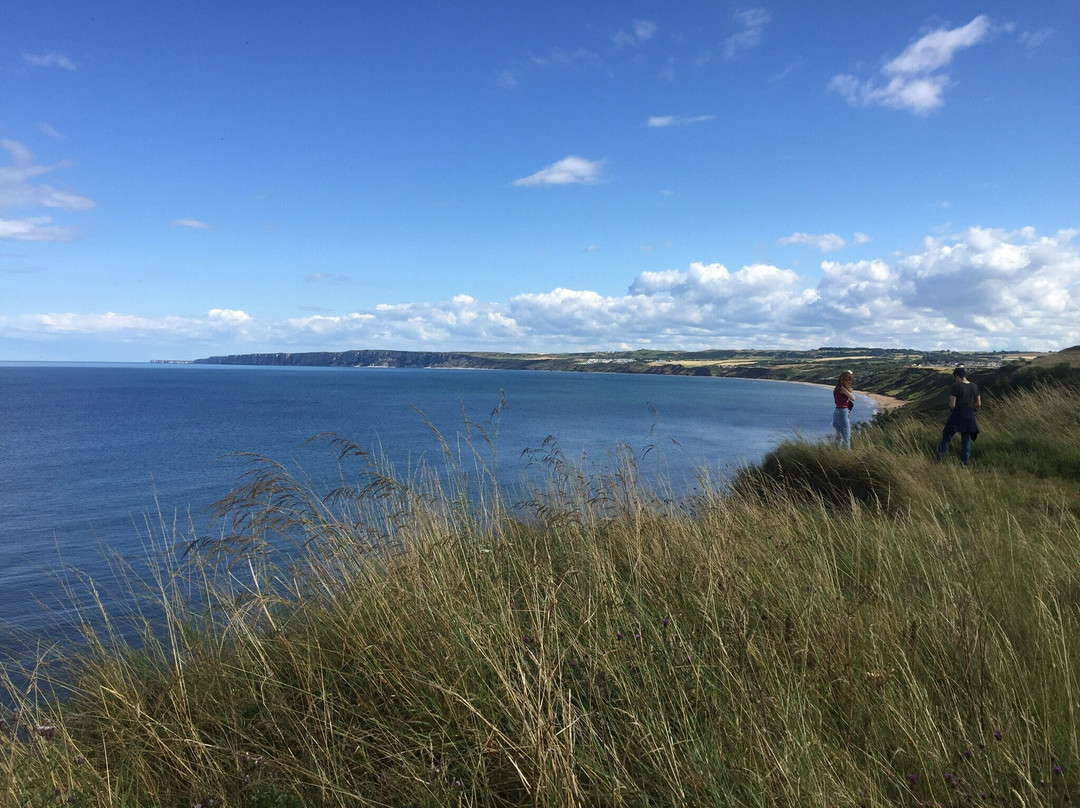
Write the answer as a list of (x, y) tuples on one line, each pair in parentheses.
[(827, 242), (912, 81), (751, 23), (20, 188), (49, 60), (194, 224), (981, 289), (568, 171)]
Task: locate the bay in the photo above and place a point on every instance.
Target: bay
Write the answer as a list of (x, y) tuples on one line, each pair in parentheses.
[(88, 451)]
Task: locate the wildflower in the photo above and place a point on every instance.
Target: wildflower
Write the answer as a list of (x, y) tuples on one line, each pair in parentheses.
[(637, 635), (618, 635), (1056, 769), (967, 754), (913, 778), (46, 730), (666, 621), (948, 777), (527, 639), (997, 734), (79, 759)]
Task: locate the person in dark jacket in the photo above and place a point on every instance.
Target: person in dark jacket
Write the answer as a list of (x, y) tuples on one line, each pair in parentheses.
[(964, 398)]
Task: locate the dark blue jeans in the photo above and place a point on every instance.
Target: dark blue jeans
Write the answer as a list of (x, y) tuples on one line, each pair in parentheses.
[(961, 420)]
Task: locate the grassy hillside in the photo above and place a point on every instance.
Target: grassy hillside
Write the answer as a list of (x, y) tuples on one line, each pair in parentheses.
[(858, 628)]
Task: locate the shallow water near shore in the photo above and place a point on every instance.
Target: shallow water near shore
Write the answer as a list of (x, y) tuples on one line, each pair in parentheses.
[(88, 451)]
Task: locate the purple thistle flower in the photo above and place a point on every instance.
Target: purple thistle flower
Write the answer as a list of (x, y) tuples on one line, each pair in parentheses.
[(967, 754), (997, 734), (948, 777), (666, 621), (913, 778), (637, 635), (46, 731), (1056, 769), (618, 635)]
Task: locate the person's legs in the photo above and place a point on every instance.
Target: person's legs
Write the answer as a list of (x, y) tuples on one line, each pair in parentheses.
[(965, 448), (946, 437), (842, 424)]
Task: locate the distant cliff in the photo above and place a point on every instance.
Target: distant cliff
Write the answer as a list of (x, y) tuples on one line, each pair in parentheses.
[(349, 359)]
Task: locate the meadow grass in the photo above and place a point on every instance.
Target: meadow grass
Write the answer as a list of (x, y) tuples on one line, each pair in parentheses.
[(859, 628)]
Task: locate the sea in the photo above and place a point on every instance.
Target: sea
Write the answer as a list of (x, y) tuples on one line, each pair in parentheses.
[(93, 456)]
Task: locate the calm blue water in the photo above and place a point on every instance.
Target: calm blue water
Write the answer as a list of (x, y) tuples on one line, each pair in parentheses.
[(85, 449)]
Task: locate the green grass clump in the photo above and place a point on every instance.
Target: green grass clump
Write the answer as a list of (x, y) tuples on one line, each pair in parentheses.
[(856, 629)]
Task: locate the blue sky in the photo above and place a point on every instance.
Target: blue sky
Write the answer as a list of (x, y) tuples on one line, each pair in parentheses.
[(183, 180)]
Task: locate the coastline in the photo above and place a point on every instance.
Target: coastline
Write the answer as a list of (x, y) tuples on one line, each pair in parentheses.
[(882, 402)]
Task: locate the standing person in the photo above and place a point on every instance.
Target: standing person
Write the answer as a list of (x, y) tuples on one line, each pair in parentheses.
[(844, 399), (963, 399)]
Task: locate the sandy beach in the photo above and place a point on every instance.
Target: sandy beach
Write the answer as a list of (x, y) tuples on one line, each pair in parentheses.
[(882, 402)]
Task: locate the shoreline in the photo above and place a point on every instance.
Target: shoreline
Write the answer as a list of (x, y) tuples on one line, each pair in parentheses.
[(882, 402)]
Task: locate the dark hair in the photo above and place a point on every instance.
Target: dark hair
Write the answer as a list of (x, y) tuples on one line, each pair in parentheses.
[(960, 372)]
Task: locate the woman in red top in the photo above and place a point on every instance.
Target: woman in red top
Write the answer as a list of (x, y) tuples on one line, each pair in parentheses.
[(844, 399)]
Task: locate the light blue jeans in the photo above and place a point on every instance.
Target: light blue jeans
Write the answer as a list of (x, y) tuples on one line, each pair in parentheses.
[(841, 421)]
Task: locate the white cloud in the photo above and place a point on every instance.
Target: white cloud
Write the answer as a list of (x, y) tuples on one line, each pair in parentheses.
[(568, 171), (1035, 39), (981, 289), (558, 58), (641, 31), (36, 228), (751, 22), (662, 121), (936, 49), (827, 242), (50, 60), (194, 224), (862, 238), (20, 189), (230, 316), (911, 81)]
